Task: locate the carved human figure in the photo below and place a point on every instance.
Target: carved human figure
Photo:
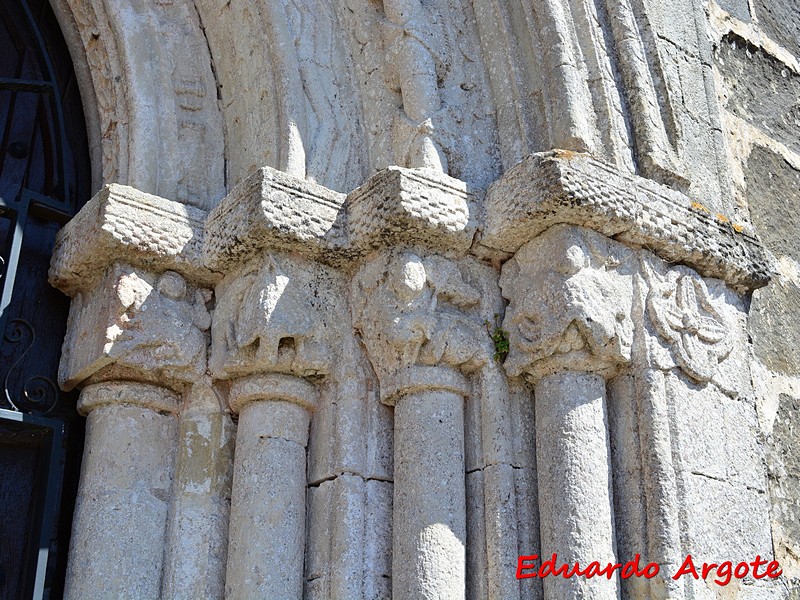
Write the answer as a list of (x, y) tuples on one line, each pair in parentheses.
[(149, 313), (601, 82), (417, 44), (318, 78), (153, 330), (418, 320)]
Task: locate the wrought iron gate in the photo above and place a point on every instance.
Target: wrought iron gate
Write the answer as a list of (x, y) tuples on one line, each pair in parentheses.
[(43, 177)]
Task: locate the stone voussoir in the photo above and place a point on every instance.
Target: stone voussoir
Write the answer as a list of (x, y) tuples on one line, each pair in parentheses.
[(561, 187)]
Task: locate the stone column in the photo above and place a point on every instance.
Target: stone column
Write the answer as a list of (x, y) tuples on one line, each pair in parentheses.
[(574, 471), (569, 325), (136, 341), (270, 340), (429, 535), (268, 507), (197, 528), (123, 500), (417, 320)]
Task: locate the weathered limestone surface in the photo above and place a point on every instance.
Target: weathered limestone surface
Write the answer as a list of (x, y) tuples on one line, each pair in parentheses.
[(274, 328), (137, 339), (136, 325), (746, 69), (148, 84), (762, 134), (414, 317), (773, 189), (267, 531), (117, 546), (566, 340), (122, 223), (197, 529), (436, 366), (784, 473), (780, 20), (559, 187), (572, 421)]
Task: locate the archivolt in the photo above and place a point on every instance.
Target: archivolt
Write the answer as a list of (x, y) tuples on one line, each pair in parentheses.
[(287, 88), (149, 96)]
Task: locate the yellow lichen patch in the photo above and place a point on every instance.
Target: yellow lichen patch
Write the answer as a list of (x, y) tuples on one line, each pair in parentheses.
[(723, 218), (737, 228), (698, 206), (568, 154)]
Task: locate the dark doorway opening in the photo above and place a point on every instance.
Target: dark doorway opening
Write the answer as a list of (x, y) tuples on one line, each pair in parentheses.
[(44, 179)]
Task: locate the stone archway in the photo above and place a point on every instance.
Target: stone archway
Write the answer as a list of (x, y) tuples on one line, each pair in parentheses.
[(146, 78)]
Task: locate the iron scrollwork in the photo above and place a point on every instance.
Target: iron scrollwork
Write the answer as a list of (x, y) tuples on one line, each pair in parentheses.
[(39, 393)]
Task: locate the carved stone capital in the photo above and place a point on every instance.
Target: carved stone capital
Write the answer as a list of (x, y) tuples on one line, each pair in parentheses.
[(277, 314), (420, 322), (570, 294), (132, 264), (136, 325)]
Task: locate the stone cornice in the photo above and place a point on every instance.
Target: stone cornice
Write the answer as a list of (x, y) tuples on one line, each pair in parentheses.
[(275, 211), (412, 208), (568, 188), (121, 223)]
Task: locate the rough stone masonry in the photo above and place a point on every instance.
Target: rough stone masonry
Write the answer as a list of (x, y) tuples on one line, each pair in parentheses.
[(377, 296)]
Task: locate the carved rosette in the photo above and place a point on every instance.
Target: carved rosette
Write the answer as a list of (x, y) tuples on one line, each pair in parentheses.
[(683, 315), (419, 320), (571, 311)]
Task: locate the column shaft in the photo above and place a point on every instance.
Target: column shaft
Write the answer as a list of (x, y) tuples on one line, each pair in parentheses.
[(573, 459), (268, 504), (119, 528), (429, 522)]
